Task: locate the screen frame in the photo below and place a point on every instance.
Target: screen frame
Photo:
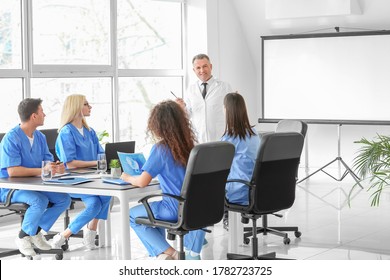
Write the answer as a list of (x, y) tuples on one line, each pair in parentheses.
[(262, 119)]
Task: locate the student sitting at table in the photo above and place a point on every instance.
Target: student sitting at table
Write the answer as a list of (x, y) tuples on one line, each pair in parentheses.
[(78, 146), (170, 127), (246, 141), (23, 149)]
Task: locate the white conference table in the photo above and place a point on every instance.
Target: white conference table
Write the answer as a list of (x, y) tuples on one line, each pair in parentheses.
[(125, 194)]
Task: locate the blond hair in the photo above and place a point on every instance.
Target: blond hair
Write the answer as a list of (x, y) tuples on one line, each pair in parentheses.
[(71, 109)]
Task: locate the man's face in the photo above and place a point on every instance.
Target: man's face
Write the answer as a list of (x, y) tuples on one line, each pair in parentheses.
[(39, 116), (202, 69)]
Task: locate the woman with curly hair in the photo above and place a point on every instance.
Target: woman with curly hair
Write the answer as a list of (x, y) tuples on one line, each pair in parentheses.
[(170, 128)]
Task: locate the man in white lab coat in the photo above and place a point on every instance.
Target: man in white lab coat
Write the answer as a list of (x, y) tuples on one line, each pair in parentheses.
[(204, 101)]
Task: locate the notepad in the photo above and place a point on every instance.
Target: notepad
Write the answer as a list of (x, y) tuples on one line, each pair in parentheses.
[(82, 170), (61, 174), (67, 181), (115, 181)]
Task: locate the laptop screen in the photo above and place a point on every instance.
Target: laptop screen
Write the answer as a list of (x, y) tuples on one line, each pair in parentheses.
[(112, 149)]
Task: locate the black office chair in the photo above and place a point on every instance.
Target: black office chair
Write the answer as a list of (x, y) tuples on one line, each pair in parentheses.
[(283, 126), (20, 209), (292, 126), (201, 201), (272, 187)]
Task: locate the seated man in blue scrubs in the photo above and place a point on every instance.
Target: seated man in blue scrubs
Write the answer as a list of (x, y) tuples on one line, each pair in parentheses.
[(23, 149)]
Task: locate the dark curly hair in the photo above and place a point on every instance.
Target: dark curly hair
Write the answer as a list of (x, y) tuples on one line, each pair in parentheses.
[(168, 124)]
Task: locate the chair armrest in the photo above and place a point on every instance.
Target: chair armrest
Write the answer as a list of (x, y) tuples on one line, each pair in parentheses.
[(145, 199), (238, 207), (7, 202), (240, 181)]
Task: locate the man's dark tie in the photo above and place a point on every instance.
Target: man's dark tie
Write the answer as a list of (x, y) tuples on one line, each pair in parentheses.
[(204, 90)]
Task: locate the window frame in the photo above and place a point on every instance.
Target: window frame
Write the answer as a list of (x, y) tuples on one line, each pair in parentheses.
[(30, 70)]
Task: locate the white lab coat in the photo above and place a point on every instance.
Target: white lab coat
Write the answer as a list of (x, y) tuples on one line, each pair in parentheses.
[(207, 115)]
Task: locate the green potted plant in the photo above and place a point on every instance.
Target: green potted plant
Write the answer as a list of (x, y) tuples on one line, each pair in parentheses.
[(101, 135), (115, 167), (372, 164)]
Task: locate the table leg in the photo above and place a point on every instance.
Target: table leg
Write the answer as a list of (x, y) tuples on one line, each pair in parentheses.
[(125, 226)]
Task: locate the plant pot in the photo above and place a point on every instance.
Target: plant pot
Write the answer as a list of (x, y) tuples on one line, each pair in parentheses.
[(116, 172)]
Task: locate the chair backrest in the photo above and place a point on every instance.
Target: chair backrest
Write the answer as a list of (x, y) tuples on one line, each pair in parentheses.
[(274, 175), (204, 185), (292, 126), (51, 137)]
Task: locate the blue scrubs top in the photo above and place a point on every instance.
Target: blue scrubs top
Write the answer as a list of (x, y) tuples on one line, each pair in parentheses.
[(71, 145), (242, 166), (16, 150), (169, 173)]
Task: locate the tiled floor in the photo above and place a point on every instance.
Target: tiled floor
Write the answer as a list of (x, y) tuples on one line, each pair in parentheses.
[(331, 229)]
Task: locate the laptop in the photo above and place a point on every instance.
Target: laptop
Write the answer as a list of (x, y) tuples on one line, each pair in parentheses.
[(112, 149)]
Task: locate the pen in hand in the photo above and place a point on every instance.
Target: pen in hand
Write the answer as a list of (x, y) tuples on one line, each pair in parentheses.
[(174, 95)]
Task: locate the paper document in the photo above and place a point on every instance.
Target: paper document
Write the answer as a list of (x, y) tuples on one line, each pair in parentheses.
[(67, 181)]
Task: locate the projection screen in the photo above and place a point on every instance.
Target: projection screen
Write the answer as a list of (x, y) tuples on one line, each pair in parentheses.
[(340, 77)]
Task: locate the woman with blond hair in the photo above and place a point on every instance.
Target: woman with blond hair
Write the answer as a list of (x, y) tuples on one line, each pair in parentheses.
[(78, 146), (170, 127)]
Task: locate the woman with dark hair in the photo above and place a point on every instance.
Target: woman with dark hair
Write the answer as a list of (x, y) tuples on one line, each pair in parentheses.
[(170, 128), (242, 135)]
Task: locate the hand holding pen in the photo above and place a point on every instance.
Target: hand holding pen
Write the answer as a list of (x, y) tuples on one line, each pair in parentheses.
[(179, 101), (58, 167)]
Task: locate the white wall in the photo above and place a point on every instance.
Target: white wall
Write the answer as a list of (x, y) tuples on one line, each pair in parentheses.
[(223, 40), (238, 48)]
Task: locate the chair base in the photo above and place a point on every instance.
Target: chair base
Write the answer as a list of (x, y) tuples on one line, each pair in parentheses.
[(9, 252), (59, 253), (279, 231), (268, 256)]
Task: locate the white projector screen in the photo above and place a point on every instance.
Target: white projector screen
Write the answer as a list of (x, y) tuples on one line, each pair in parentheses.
[(341, 77)]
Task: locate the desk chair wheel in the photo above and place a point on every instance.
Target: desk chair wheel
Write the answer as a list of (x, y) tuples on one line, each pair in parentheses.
[(65, 247), (297, 234), (30, 258), (246, 240), (59, 256), (286, 240)]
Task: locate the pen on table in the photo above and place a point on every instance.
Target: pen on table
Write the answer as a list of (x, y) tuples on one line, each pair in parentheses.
[(174, 95)]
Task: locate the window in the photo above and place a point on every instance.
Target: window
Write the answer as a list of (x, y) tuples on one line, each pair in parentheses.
[(71, 32), (138, 96), (149, 35), (123, 55), (12, 88), (53, 92), (10, 34)]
